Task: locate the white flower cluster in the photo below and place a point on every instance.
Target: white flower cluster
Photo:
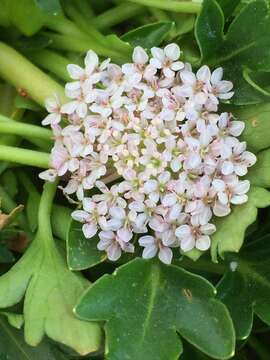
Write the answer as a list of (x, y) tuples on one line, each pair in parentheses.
[(151, 130)]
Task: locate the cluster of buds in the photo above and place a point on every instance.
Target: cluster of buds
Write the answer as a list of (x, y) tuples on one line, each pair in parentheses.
[(145, 154)]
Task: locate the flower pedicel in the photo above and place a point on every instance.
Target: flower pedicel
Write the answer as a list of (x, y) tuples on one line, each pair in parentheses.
[(151, 126)]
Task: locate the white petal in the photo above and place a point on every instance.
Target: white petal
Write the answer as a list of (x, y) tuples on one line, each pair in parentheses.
[(204, 74), (236, 128), (187, 243), (188, 77), (242, 187), (208, 229), (114, 252), (216, 75), (158, 53), (221, 210), (147, 240), (218, 185), (89, 230), (75, 71), (203, 243), (169, 200), (165, 255), (239, 199), (79, 215), (91, 59), (117, 212), (183, 231), (149, 252), (124, 234), (172, 51), (227, 168), (139, 55)]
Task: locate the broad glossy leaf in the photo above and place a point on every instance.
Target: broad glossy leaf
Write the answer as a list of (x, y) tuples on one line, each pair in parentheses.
[(146, 303), (231, 229), (245, 288), (259, 174), (148, 35), (239, 51), (50, 291), (13, 346), (228, 6), (82, 253), (257, 125)]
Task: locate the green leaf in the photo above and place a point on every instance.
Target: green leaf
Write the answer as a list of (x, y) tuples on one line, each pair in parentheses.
[(146, 303), (239, 51), (257, 125), (82, 253), (228, 6), (13, 346), (230, 233), (6, 255), (16, 320), (259, 174), (148, 35), (245, 288), (50, 291), (28, 15)]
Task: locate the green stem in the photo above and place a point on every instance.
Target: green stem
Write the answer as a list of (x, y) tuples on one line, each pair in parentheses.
[(83, 23), (21, 73), (85, 8), (259, 348), (116, 15), (24, 156), (202, 265), (159, 14), (45, 209), (63, 26), (175, 6), (9, 126), (83, 44), (51, 61)]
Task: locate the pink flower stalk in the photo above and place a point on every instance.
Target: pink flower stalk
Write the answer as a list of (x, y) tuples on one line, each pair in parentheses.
[(153, 128)]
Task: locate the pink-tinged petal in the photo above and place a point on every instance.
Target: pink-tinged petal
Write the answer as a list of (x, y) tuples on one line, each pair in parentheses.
[(187, 243), (174, 212), (113, 224), (239, 199), (104, 244), (165, 255), (227, 168), (149, 252), (164, 177), (168, 73), (114, 252), (89, 230), (208, 229), (139, 55), (188, 78), (183, 231), (69, 107), (75, 71), (204, 74), (203, 243), (155, 63), (106, 235), (51, 119), (147, 241), (81, 110), (102, 208), (217, 75)]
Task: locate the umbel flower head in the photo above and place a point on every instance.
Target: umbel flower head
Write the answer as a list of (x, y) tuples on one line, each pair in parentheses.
[(144, 151)]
